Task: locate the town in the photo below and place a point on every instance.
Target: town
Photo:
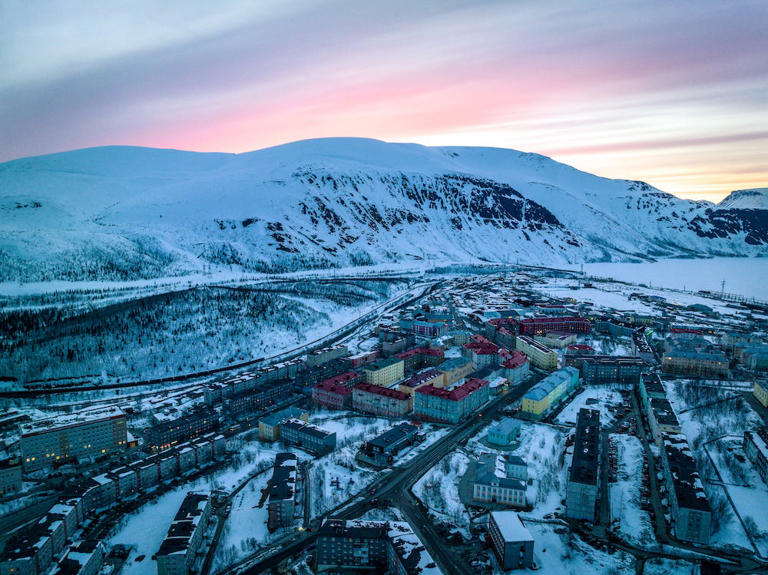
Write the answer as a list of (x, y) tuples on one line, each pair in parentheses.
[(479, 421)]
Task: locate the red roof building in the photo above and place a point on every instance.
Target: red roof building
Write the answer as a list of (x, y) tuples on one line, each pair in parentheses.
[(450, 405)]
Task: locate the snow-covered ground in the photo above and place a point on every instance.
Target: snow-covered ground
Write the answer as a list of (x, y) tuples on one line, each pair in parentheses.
[(744, 486), (438, 489), (657, 566), (634, 523), (707, 414), (557, 550), (540, 445), (604, 399), (742, 275), (246, 527)]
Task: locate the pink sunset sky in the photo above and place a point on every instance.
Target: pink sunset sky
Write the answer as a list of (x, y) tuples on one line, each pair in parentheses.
[(673, 93)]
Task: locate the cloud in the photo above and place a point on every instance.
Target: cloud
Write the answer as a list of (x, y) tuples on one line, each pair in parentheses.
[(594, 84)]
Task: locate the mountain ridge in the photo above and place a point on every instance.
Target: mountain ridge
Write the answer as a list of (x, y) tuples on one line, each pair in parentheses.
[(129, 212)]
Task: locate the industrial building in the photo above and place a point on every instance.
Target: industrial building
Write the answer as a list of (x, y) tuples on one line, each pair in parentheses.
[(382, 450)]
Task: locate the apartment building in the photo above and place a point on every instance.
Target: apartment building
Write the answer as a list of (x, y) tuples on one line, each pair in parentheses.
[(512, 542), (176, 555), (326, 354), (173, 427), (371, 547), (481, 352), (692, 363), (10, 476), (540, 355), (691, 513), (384, 372), (582, 488), (429, 376), (282, 492), (455, 369), (760, 391), (308, 436), (84, 434), (562, 324), (332, 395), (517, 368), (269, 425), (548, 392), (370, 398), (756, 449), (602, 369), (450, 405), (420, 357)]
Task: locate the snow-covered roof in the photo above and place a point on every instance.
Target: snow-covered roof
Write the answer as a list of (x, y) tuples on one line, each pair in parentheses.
[(510, 526)]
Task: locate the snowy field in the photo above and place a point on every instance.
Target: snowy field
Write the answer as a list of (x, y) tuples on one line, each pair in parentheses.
[(742, 275), (634, 523), (602, 398)]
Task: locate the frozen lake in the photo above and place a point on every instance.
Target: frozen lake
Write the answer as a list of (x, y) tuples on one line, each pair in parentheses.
[(744, 276)]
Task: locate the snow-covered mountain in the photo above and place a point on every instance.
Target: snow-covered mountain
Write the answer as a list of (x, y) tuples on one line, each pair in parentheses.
[(126, 212)]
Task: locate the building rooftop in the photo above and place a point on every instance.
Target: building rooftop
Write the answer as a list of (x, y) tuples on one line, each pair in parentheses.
[(383, 391), (276, 418), (307, 428), (454, 363), (394, 435), (340, 379), (457, 393), (546, 385), (689, 489), (419, 378), (535, 344), (71, 419), (506, 425), (586, 447), (516, 359), (511, 527), (381, 364), (283, 481)]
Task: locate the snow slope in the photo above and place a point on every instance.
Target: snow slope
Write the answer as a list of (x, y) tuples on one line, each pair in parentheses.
[(128, 213)]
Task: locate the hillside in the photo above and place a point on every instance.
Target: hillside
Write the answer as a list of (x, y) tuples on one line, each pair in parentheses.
[(127, 213)]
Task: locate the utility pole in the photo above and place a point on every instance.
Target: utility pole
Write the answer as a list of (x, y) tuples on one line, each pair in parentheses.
[(722, 287)]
